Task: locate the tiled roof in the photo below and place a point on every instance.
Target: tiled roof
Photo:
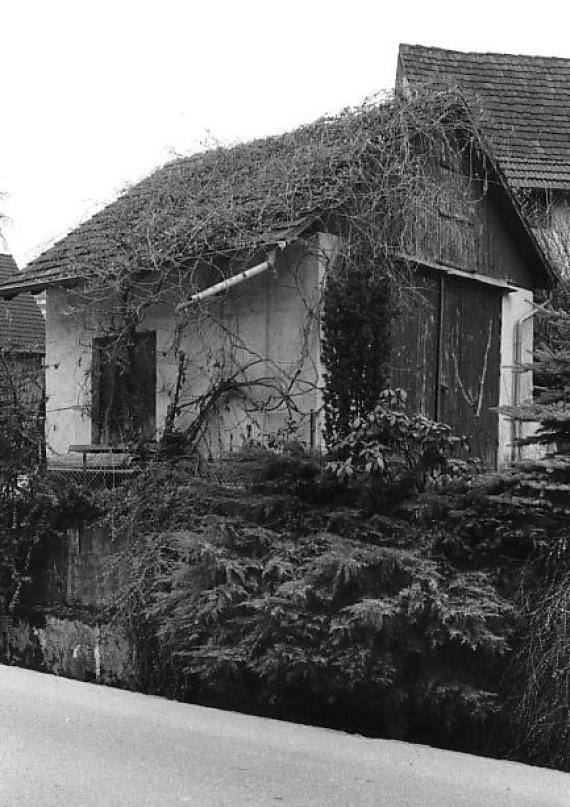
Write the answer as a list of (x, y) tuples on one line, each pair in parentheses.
[(524, 105), (22, 326), (236, 199)]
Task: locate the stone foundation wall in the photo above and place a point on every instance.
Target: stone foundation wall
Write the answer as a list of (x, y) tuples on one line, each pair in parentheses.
[(68, 647), (62, 627)]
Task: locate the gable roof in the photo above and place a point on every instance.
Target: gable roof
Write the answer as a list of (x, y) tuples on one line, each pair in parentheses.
[(244, 198), (523, 104), (22, 326), (226, 199)]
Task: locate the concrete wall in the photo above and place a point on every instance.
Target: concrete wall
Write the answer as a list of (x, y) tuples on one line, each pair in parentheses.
[(68, 360), (65, 631), (70, 647), (269, 324), (516, 383)]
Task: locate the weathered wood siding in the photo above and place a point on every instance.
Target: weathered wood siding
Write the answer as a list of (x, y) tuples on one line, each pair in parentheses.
[(446, 355), (464, 222), (446, 349), (471, 363), (414, 346)]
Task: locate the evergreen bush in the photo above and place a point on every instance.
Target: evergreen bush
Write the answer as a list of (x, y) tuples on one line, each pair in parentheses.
[(319, 614)]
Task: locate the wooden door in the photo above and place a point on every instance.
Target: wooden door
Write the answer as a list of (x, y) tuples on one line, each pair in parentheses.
[(446, 355), (470, 364), (414, 346)]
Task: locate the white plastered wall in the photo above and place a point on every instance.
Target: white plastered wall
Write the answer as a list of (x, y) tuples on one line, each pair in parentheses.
[(516, 383), (68, 358), (270, 323)]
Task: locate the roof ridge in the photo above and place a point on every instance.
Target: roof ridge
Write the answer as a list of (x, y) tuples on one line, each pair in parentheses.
[(479, 54)]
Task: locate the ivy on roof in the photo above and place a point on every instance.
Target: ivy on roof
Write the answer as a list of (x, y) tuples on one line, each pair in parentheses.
[(361, 164)]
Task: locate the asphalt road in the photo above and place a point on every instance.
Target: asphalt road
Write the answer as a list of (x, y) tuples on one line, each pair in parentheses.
[(68, 743)]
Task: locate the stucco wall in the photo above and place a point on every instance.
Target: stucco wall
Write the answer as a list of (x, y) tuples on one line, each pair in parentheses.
[(516, 384), (67, 360), (269, 324)]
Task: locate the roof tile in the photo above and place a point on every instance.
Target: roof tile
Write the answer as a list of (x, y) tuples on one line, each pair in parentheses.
[(22, 326), (524, 106)]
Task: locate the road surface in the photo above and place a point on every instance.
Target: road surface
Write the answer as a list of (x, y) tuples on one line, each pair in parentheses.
[(65, 743)]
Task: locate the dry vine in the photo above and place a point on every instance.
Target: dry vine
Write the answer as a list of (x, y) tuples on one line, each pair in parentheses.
[(365, 176)]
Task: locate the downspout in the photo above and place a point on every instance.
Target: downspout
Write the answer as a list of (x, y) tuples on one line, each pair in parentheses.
[(223, 285), (515, 431)]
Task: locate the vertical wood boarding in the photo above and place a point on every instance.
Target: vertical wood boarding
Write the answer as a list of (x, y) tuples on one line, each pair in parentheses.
[(470, 370), (413, 364), (446, 355)]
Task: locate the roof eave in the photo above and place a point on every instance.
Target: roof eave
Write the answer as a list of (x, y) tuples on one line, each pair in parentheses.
[(292, 232), (9, 290), (550, 272)]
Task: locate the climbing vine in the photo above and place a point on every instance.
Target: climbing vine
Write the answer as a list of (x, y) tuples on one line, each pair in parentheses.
[(355, 346), (364, 176)]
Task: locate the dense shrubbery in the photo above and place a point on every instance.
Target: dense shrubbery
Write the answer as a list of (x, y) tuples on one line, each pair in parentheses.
[(437, 615), (356, 327), (390, 453), (540, 679), (382, 638), (248, 598), (34, 508), (278, 589)]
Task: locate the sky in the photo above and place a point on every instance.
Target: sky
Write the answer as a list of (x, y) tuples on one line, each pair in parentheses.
[(96, 95)]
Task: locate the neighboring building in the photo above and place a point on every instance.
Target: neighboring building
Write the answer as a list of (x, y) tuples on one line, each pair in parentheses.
[(22, 350), (522, 107), (22, 327), (476, 265)]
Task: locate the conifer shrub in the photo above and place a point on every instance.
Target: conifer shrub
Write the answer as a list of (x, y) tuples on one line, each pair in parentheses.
[(314, 613), (539, 697), (356, 327)]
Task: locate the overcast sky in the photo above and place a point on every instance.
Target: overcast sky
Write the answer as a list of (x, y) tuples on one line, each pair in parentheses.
[(96, 95)]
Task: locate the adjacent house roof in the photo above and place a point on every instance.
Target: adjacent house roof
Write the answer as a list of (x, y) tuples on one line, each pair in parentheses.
[(524, 105), (22, 326)]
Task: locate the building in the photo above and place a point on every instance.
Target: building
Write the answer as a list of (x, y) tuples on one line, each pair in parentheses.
[(197, 295), (521, 105), (22, 350)]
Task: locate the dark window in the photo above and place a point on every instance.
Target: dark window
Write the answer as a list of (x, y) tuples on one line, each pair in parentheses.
[(124, 389)]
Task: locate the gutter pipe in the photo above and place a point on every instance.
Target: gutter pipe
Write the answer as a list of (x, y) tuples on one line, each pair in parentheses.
[(218, 288)]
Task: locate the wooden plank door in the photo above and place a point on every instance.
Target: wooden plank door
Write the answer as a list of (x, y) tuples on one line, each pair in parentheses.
[(470, 357), (413, 364), (446, 356)]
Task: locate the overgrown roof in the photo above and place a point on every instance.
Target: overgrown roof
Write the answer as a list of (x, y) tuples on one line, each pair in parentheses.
[(236, 200), (22, 326), (524, 101), (219, 200)]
